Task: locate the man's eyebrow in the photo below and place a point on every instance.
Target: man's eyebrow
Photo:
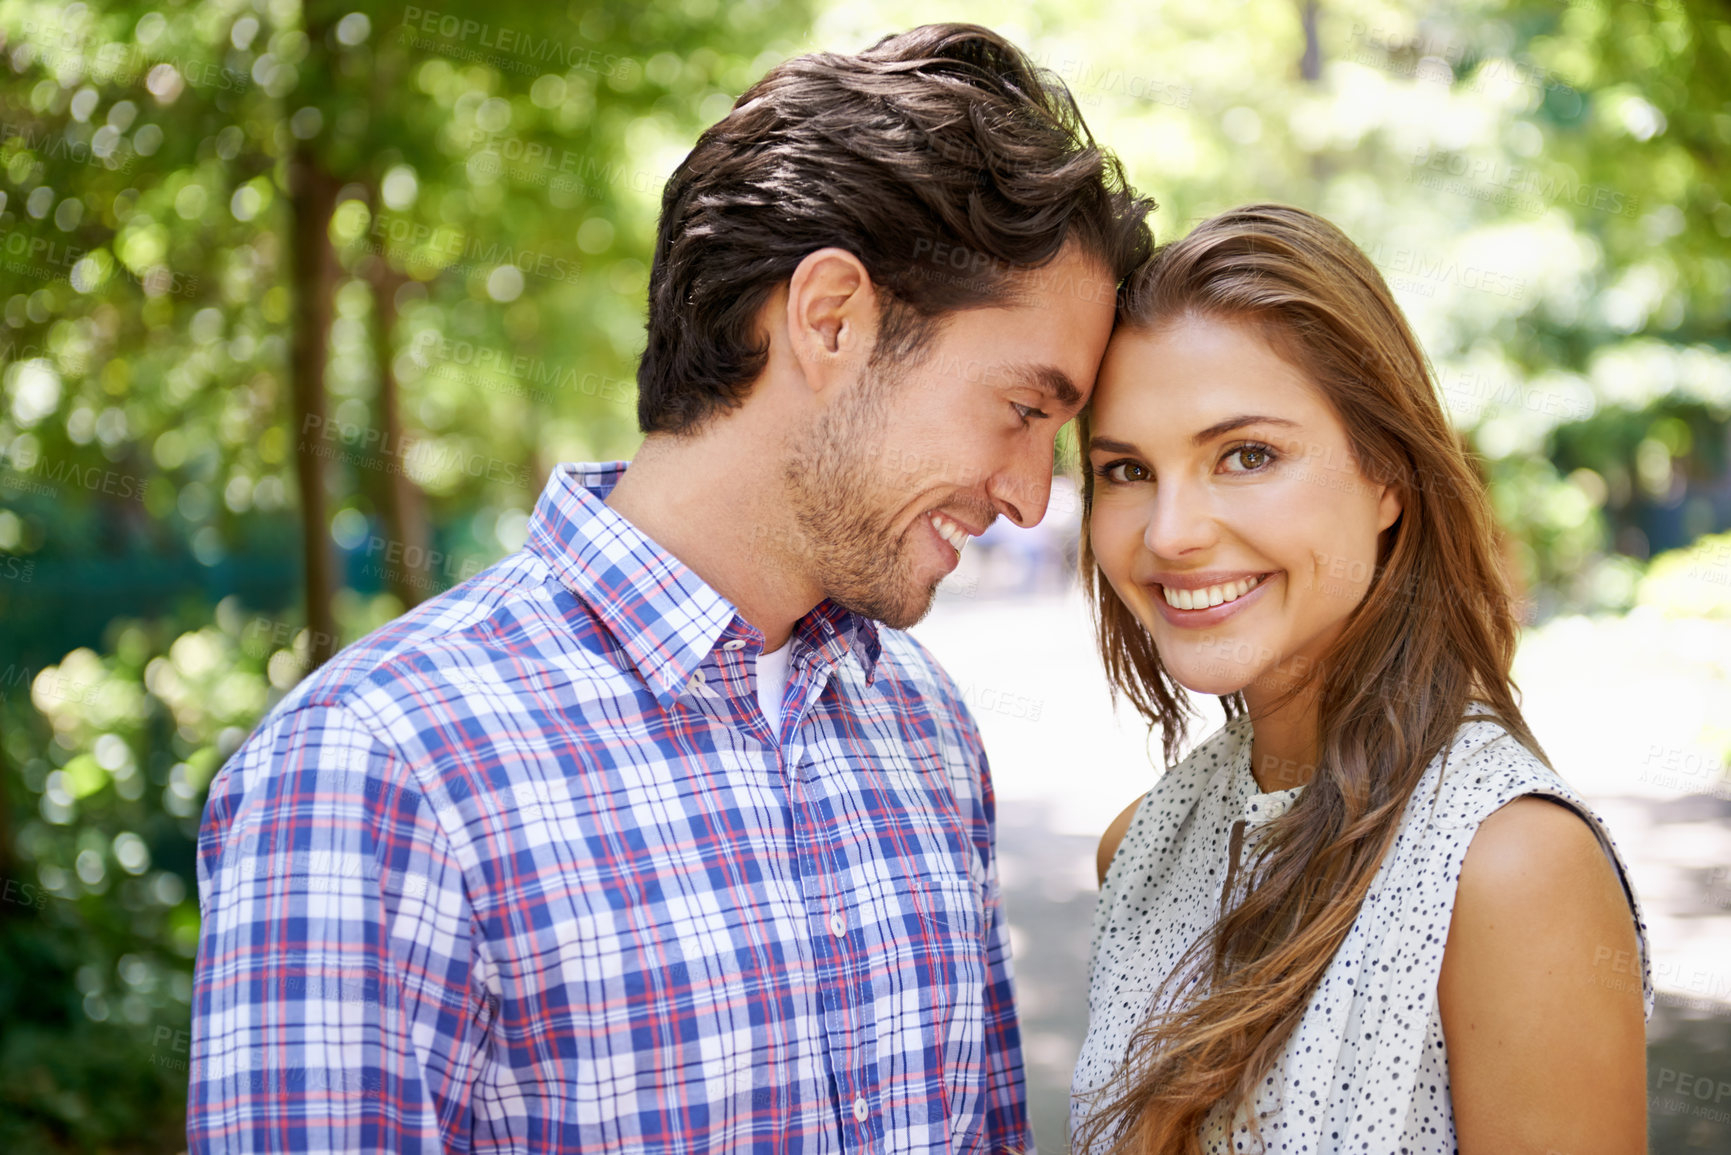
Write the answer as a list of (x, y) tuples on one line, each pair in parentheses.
[(1223, 427), (1050, 380)]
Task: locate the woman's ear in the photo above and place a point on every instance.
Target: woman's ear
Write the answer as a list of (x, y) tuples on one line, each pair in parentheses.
[(1389, 506)]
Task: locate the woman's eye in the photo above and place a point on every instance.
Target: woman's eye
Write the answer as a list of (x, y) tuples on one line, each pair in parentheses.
[(1250, 458), (1025, 411), (1124, 472)]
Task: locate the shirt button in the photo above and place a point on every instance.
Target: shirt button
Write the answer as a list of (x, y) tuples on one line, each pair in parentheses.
[(735, 644), (838, 927), (696, 682), (860, 1109)]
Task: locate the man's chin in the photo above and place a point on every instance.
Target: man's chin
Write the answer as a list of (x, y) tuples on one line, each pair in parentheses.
[(898, 612), (914, 616)]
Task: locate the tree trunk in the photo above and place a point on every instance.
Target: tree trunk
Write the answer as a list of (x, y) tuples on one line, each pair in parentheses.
[(401, 503), (8, 867), (313, 195), (1310, 64)]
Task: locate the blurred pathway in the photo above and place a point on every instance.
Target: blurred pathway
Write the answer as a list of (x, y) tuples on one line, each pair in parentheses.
[(1625, 707)]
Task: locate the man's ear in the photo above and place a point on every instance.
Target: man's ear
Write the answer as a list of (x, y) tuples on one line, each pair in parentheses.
[(832, 314)]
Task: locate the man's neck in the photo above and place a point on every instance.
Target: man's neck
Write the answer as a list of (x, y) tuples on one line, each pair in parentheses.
[(718, 509)]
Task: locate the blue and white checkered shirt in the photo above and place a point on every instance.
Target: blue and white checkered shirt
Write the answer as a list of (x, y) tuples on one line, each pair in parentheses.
[(526, 871)]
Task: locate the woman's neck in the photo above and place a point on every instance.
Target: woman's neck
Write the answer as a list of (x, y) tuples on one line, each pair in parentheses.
[(1283, 744)]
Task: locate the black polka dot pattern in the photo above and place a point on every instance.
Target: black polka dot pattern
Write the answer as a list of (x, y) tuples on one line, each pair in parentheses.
[(1366, 1070)]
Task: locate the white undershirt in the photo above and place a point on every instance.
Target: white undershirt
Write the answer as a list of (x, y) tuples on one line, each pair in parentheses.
[(772, 683)]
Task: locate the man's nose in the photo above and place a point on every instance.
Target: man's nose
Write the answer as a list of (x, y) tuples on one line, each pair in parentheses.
[(1021, 493)]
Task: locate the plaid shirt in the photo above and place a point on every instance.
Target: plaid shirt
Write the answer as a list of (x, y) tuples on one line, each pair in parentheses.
[(526, 870)]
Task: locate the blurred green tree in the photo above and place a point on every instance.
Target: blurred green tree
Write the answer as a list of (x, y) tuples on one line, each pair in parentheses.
[(299, 302)]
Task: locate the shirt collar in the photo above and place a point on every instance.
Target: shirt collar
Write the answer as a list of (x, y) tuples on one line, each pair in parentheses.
[(665, 617), (1251, 802)]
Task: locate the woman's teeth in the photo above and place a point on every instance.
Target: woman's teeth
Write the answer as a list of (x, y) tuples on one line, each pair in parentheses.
[(1212, 596), (949, 531)]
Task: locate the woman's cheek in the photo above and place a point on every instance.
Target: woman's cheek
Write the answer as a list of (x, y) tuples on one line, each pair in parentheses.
[(1116, 535), (1113, 537)]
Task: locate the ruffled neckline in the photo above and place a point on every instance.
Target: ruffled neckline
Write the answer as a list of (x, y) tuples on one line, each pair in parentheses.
[(1257, 807)]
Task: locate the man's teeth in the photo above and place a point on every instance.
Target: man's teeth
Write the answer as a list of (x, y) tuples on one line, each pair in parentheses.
[(1210, 597), (950, 531)]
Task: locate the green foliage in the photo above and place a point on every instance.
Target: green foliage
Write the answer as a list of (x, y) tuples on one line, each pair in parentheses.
[(1694, 582), (114, 753), (1542, 184)]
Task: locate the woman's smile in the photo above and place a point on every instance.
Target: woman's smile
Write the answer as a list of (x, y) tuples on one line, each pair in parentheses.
[(1203, 600)]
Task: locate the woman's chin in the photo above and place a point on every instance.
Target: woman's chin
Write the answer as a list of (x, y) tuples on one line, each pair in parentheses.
[(1214, 684)]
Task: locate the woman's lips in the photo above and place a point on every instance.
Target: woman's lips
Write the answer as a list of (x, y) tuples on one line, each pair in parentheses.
[(1212, 615)]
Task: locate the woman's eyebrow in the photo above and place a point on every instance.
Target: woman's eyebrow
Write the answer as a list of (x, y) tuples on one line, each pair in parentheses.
[(1218, 429), (1223, 427)]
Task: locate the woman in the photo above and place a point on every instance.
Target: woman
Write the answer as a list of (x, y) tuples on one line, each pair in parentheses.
[(1366, 915)]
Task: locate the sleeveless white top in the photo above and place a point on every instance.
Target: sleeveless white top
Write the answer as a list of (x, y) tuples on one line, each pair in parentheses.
[(1366, 1068)]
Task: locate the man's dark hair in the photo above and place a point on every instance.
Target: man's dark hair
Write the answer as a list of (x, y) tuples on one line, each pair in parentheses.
[(941, 140)]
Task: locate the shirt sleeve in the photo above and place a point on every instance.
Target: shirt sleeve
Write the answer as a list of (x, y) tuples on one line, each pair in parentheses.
[(336, 1006), (1007, 1126)]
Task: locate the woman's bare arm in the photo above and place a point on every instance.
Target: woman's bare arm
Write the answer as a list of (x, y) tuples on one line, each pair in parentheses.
[(1540, 993)]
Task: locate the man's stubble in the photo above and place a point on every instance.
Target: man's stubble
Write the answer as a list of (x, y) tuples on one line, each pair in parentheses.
[(843, 498)]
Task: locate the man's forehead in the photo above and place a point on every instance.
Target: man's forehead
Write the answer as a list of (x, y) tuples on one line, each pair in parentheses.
[(1072, 273)]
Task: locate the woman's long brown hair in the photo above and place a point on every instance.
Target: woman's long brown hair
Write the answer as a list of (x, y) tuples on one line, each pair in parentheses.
[(1434, 631)]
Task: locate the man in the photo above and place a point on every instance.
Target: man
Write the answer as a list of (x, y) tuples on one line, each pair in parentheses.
[(649, 838)]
